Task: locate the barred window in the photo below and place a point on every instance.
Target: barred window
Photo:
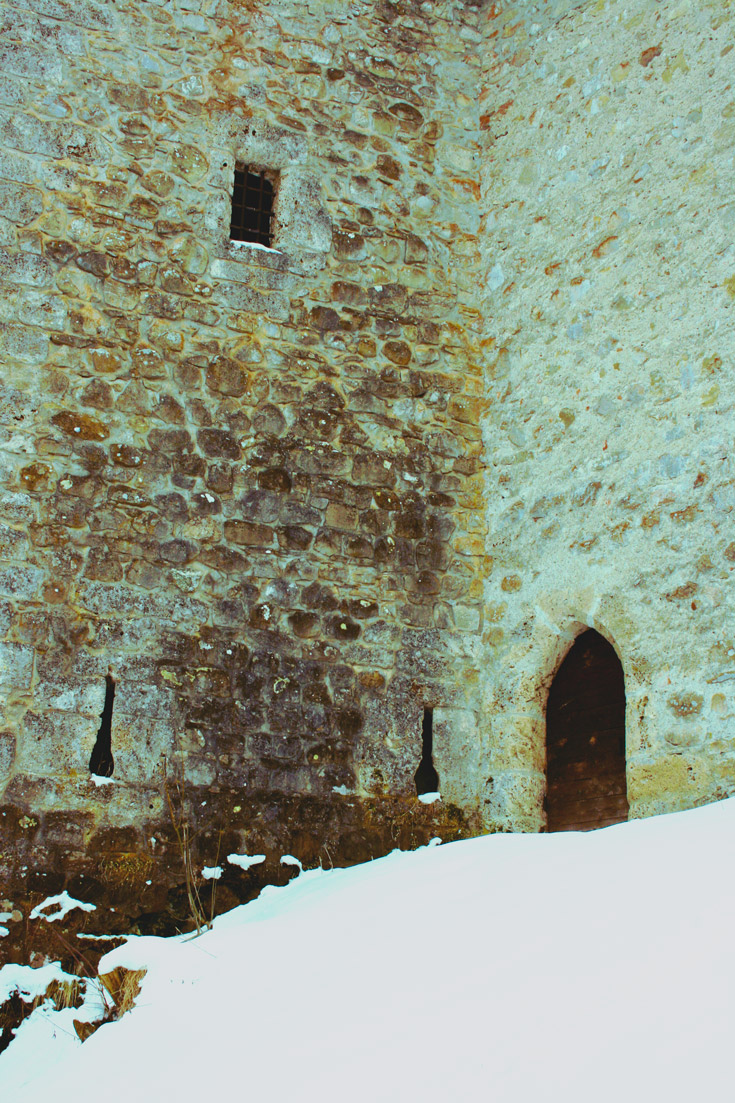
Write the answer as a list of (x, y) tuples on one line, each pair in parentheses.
[(252, 205)]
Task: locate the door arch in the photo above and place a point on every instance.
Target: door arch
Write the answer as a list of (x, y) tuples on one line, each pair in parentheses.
[(585, 739)]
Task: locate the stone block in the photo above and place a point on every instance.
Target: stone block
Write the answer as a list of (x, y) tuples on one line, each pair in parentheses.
[(19, 203), (248, 534), (20, 582), (466, 618), (7, 755), (22, 343), (56, 744)]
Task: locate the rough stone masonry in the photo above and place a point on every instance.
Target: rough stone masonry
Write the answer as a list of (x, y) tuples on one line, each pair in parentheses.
[(473, 399)]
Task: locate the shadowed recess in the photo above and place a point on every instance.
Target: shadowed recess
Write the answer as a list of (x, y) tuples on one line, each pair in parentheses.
[(426, 777), (101, 761), (252, 206), (585, 739)]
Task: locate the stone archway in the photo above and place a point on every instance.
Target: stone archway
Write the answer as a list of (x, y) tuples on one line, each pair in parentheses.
[(585, 738)]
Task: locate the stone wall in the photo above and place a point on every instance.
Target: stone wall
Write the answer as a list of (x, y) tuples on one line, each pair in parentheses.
[(474, 400), (246, 481), (608, 235)]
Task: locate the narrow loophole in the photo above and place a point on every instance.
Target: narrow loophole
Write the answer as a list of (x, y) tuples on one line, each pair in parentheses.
[(426, 777), (101, 761)]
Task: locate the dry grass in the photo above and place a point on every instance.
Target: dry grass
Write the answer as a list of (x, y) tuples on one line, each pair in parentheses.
[(177, 801), (123, 988), (62, 994), (119, 990), (179, 819), (123, 985)]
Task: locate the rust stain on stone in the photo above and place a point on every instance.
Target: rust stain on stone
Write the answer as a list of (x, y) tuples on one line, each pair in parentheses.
[(604, 246), (648, 55)]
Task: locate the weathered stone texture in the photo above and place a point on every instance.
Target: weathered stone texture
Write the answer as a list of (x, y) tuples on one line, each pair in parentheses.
[(242, 479), (608, 245), (475, 399)]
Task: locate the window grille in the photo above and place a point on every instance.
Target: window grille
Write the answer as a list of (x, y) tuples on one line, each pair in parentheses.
[(252, 206)]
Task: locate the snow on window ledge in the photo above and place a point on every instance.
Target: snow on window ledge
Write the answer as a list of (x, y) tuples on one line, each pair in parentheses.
[(236, 244)]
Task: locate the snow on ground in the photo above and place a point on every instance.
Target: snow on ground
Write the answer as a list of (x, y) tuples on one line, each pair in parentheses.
[(47, 1035), (512, 968)]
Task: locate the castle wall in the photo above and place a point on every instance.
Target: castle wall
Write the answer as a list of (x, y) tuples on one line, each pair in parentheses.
[(608, 228), (474, 401), (246, 481)]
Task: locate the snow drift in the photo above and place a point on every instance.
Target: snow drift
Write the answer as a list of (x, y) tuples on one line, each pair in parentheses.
[(511, 968)]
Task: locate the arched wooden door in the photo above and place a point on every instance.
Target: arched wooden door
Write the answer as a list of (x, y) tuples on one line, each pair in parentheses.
[(585, 739)]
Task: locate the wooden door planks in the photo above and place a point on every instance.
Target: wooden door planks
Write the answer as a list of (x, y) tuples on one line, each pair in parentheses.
[(585, 739)]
